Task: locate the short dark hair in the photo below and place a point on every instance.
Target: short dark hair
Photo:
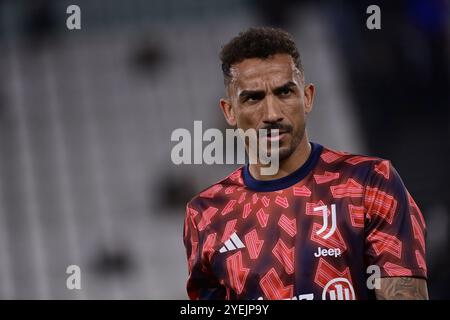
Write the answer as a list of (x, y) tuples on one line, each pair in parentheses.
[(260, 42)]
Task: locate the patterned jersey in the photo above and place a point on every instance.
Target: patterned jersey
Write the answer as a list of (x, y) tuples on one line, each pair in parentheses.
[(323, 232)]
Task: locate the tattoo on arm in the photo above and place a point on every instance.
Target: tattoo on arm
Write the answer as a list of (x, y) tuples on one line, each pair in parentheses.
[(402, 288)]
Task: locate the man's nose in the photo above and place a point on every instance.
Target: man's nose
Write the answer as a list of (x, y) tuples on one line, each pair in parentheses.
[(272, 112)]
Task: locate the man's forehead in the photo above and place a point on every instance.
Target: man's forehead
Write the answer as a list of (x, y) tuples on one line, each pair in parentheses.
[(253, 72)]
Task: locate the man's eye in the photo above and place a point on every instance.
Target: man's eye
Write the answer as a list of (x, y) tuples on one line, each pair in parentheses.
[(285, 91), (253, 98)]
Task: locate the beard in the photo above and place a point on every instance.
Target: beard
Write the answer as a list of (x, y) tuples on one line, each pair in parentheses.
[(285, 150)]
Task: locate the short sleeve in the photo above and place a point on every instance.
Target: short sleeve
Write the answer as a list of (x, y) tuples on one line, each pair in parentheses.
[(201, 283), (394, 226)]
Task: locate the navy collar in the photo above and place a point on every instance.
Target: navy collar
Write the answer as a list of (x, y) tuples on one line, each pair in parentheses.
[(289, 180)]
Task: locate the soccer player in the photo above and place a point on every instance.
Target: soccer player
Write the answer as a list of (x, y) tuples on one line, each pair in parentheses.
[(325, 226)]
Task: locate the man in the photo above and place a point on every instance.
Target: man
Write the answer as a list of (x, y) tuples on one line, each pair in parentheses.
[(324, 226)]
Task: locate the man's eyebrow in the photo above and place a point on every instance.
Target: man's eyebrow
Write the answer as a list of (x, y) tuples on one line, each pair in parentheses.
[(287, 85), (248, 93)]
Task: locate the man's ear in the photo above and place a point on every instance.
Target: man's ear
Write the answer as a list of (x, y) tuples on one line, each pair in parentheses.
[(228, 112), (309, 97)]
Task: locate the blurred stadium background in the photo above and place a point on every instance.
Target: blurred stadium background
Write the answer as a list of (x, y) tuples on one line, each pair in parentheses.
[(86, 118)]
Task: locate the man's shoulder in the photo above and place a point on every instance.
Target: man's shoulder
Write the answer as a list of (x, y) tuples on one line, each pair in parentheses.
[(361, 168), (334, 157), (219, 190)]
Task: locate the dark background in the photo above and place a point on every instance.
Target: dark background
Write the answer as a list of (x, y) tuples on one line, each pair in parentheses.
[(86, 118)]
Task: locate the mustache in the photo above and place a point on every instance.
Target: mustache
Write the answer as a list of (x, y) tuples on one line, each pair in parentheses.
[(281, 127)]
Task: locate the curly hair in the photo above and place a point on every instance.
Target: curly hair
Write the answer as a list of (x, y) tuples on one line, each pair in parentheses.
[(261, 42)]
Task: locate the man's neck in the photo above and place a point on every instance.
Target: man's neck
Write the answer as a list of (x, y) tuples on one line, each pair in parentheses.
[(288, 165)]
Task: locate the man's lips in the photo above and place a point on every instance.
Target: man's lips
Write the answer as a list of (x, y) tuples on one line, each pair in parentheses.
[(274, 137)]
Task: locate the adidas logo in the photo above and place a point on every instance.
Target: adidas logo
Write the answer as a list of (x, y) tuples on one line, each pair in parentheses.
[(233, 243)]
